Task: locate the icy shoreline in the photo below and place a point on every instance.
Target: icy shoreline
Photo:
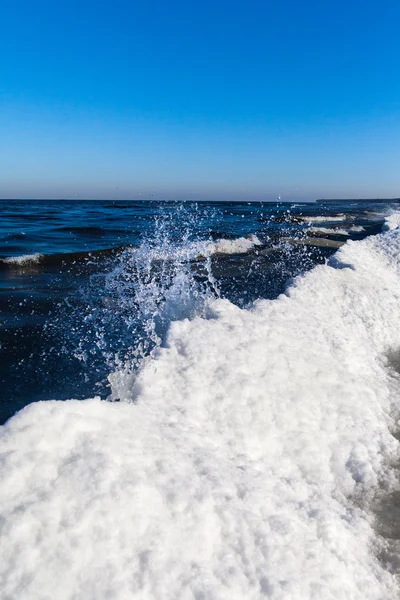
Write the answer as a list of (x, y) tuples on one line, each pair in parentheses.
[(235, 466)]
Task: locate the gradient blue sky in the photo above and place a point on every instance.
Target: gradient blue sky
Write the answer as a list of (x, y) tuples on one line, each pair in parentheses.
[(199, 100)]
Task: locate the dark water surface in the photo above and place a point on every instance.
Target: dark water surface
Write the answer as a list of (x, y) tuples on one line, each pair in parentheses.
[(88, 286)]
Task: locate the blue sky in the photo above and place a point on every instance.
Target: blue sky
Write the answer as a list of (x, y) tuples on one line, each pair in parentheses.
[(210, 100)]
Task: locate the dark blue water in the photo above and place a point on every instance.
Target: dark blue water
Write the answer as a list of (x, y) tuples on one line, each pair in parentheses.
[(88, 287)]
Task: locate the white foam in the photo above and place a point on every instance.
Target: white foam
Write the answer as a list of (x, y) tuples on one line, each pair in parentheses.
[(24, 260), (324, 219), (236, 246), (336, 230), (243, 466), (328, 231), (199, 249)]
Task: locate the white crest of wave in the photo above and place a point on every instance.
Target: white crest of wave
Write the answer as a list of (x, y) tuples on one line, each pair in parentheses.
[(328, 231), (324, 219), (240, 466), (198, 249), (236, 246), (23, 260)]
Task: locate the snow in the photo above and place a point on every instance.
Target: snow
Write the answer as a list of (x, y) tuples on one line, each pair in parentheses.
[(241, 464), (392, 220)]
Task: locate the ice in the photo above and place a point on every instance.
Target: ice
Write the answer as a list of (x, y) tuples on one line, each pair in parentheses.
[(241, 464), (392, 220)]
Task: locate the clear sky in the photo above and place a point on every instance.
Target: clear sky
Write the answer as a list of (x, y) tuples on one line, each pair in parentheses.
[(199, 100)]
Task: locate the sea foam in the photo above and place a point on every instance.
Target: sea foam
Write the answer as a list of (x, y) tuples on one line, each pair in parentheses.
[(324, 219), (234, 246), (242, 462), (328, 231), (24, 260)]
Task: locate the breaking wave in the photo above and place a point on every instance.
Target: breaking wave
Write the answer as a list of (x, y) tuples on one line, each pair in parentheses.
[(196, 249), (22, 261), (324, 219), (327, 231)]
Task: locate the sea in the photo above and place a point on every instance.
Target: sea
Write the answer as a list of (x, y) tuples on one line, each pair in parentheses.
[(88, 286), (200, 399)]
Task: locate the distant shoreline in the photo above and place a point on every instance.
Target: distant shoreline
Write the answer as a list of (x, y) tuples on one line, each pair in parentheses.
[(372, 200), (171, 200)]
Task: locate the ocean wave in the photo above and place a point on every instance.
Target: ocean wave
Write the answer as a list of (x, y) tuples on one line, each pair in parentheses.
[(84, 230), (57, 259), (23, 260), (336, 230), (207, 248), (328, 231), (325, 218), (191, 251), (321, 242), (240, 245), (244, 460)]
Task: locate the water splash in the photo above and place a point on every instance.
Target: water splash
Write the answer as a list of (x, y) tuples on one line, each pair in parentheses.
[(117, 319), (125, 311)]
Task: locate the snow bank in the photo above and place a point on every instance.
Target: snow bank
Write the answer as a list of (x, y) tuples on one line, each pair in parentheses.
[(243, 467), (392, 220)]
